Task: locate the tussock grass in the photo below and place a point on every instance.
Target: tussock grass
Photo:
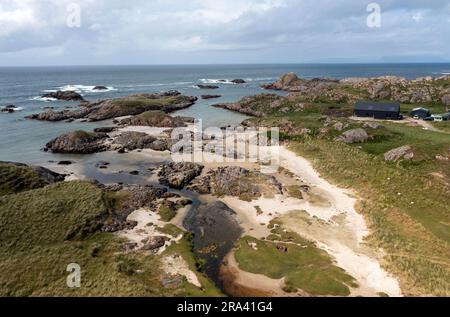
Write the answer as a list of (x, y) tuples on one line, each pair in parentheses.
[(407, 210), (304, 267), (45, 230), (144, 102), (15, 179)]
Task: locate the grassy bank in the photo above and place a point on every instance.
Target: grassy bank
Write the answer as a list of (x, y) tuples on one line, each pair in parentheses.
[(302, 265), (406, 203), (45, 230)]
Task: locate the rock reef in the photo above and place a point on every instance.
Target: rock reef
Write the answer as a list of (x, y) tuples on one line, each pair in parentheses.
[(127, 106)]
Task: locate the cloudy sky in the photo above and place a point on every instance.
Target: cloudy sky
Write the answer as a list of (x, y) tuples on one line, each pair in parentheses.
[(46, 32)]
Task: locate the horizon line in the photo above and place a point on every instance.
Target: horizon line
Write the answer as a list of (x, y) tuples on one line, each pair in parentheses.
[(225, 64)]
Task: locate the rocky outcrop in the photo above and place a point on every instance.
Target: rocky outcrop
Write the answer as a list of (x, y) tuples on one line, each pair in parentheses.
[(157, 119), (10, 109), (60, 115), (179, 175), (127, 106), (354, 136), (348, 90), (401, 153), (208, 87), (286, 82), (238, 182), (78, 142), (256, 106), (154, 243), (207, 97), (132, 141), (105, 129), (238, 81), (372, 125), (81, 142), (100, 88), (64, 95), (133, 197)]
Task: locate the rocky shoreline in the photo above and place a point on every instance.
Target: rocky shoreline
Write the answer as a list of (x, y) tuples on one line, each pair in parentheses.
[(399, 89), (126, 106), (236, 199)]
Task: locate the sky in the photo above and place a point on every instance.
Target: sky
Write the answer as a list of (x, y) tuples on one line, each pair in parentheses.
[(150, 32)]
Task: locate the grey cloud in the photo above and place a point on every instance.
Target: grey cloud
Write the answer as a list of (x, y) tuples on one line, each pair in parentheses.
[(176, 31)]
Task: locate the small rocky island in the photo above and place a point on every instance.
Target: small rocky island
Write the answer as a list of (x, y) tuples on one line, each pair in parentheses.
[(127, 106)]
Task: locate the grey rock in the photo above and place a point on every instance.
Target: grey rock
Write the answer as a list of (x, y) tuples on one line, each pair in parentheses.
[(179, 175), (404, 152), (354, 136), (78, 142)]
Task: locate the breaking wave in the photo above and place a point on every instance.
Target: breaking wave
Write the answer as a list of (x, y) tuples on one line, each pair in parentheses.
[(81, 89)]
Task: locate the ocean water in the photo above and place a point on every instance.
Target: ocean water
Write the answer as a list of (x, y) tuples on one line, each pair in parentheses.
[(21, 140)]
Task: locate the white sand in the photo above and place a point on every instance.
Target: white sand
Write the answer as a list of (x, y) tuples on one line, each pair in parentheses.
[(176, 265), (173, 264), (142, 231), (342, 200), (342, 233)]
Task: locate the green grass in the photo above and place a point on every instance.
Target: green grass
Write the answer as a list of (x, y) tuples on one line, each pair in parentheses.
[(171, 230), (16, 179), (144, 102), (407, 209), (153, 115), (406, 203), (185, 249), (295, 191), (304, 267), (426, 144), (443, 126), (52, 214), (166, 211), (46, 229), (434, 107)]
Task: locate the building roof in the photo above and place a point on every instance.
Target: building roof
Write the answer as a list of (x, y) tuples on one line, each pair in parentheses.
[(377, 106)]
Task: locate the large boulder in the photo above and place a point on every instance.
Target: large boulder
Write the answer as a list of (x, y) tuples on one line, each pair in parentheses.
[(78, 142), (154, 243), (64, 95), (132, 141), (354, 136), (238, 182), (179, 175), (401, 153), (284, 83)]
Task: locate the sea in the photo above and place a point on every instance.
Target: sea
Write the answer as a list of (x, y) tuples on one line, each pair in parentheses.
[(22, 140)]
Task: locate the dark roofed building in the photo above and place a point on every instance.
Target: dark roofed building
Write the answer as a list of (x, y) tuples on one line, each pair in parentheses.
[(378, 110), (420, 113)]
